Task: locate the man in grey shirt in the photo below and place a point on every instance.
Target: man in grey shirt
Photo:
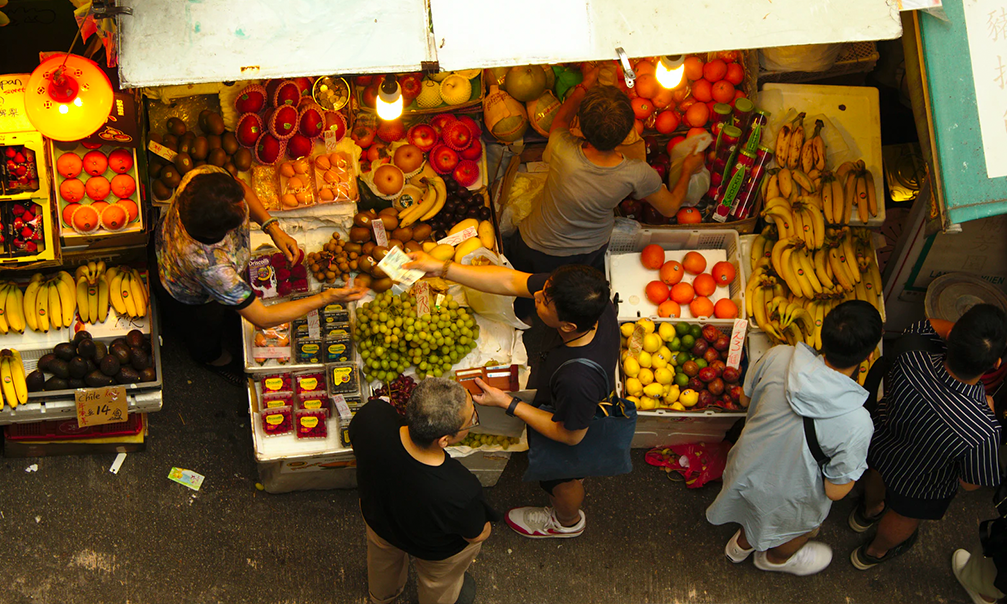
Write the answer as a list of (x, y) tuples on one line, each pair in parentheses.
[(573, 219)]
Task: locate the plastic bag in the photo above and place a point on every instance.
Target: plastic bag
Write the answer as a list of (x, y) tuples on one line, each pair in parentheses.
[(521, 199), (699, 183), (802, 57), (698, 463)]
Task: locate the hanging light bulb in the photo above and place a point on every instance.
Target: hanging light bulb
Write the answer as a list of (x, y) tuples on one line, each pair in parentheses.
[(389, 101), (68, 97), (670, 71)]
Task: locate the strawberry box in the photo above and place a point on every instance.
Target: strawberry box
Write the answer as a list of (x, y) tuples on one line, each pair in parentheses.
[(271, 276)]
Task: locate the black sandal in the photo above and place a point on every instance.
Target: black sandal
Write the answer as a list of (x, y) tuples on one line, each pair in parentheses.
[(859, 521)]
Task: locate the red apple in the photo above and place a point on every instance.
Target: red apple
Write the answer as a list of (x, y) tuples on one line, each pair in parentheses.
[(440, 121), (443, 159), (370, 96), (423, 137), (630, 208), (411, 84), (363, 134), (661, 171), (474, 151), (466, 173), (457, 135)]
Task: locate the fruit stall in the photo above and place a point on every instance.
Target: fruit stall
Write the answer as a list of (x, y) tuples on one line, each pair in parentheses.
[(75, 314)]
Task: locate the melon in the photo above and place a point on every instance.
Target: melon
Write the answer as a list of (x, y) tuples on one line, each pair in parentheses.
[(525, 83), (541, 112), (505, 118), (496, 75)]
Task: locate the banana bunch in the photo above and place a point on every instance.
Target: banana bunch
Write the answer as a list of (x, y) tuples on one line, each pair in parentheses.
[(11, 308), (762, 247), (126, 291), (92, 292), (788, 321), (433, 201), (813, 151), (865, 367), (858, 189), (789, 142), (801, 219), (50, 302), (12, 379)]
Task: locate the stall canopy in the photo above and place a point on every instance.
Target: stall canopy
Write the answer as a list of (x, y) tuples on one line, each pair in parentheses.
[(193, 41)]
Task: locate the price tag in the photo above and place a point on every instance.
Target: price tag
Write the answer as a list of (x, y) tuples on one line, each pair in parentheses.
[(737, 343), (97, 406), (380, 236), (314, 325), (439, 300), (460, 236), (636, 341), (330, 140), (339, 401), (162, 151), (392, 265), (422, 292)]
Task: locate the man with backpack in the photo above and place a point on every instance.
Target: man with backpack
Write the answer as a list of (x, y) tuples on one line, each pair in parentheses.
[(934, 431), (803, 446)]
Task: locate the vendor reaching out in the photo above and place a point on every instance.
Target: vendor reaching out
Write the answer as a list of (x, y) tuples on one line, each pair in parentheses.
[(575, 301), (572, 220), (202, 252)]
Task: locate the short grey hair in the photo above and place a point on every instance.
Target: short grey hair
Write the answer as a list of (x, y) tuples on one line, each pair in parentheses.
[(435, 410)]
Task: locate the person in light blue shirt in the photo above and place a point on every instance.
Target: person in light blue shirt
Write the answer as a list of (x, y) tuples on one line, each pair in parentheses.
[(773, 485)]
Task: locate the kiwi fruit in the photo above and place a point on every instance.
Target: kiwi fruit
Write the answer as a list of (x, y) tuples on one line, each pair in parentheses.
[(363, 280), (215, 123), (362, 219), (109, 365), (217, 157), (365, 263), (394, 243), (154, 168), (229, 143), (188, 136), (161, 191), (157, 137), (380, 285), (171, 142), (231, 169), (351, 247), (213, 141), (170, 176), (377, 273), (199, 148), (45, 360), (198, 163), (64, 351), (367, 248), (360, 234), (55, 383), (77, 367), (183, 162), (379, 252), (403, 234), (97, 379), (35, 381), (184, 145), (148, 375), (126, 375), (175, 126), (202, 119), (87, 349), (242, 159), (413, 246), (421, 231), (390, 222)]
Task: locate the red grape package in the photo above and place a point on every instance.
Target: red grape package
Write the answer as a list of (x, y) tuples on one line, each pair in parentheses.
[(271, 276)]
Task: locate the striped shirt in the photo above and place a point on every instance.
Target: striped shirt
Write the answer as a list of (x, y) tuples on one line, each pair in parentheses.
[(932, 430)]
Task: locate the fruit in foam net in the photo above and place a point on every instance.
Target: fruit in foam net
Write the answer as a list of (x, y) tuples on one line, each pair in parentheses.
[(408, 158), (430, 95), (466, 173), (287, 93), (443, 159), (249, 129), (457, 135), (310, 122), (268, 149), (114, 218), (474, 151), (298, 145), (251, 99), (85, 220), (283, 122)]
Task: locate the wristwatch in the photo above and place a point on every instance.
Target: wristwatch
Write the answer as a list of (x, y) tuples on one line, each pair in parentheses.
[(513, 405)]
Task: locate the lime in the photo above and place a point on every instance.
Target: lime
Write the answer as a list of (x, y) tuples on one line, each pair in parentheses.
[(681, 379), (682, 329), (701, 363), (696, 331), (675, 344), (687, 342), (683, 356)]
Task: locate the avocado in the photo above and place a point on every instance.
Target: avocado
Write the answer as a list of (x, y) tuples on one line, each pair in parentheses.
[(100, 351), (109, 365), (35, 381), (140, 359), (55, 383), (118, 341), (60, 369), (134, 338), (175, 126), (97, 378), (44, 360), (148, 375), (64, 350), (127, 375), (76, 383), (81, 336), (87, 349), (91, 365), (77, 367), (121, 352)]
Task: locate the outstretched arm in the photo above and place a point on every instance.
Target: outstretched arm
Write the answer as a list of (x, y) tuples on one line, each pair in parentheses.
[(489, 279)]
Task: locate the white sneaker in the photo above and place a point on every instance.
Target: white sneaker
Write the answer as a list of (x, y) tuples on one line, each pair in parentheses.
[(958, 561), (813, 558), (734, 552), (541, 523)]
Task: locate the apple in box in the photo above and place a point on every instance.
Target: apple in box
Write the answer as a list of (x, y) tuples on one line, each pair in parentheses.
[(423, 137), (411, 84)]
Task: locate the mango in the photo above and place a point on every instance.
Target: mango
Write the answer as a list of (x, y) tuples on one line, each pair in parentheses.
[(443, 252)]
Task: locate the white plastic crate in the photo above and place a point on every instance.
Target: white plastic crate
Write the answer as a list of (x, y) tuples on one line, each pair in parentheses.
[(629, 278)]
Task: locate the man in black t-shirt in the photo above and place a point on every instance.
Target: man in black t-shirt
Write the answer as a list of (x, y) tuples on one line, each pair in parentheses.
[(575, 301), (416, 500)]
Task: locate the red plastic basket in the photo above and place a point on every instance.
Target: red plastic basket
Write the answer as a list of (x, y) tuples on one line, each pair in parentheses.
[(67, 429)]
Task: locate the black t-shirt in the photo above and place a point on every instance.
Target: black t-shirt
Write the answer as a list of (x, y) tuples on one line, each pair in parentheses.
[(425, 511), (578, 388)]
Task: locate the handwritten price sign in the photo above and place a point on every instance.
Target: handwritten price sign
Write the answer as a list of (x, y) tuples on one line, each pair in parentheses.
[(97, 406)]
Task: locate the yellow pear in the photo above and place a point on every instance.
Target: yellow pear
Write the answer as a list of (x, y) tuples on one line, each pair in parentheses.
[(646, 376), (630, 367), (666, 331), (634, 387), (663, 376), (653, 390), (627, 329), (677, 407), (652, 342), (645, 359), (647, 324)]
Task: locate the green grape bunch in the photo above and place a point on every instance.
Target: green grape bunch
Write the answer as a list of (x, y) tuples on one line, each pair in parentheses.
[(391, 337), (476, 441)]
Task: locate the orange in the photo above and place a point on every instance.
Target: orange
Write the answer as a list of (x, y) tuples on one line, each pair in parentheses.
[(669, 308), (715, 70), (682, 293), (694, 263), (723, 272), (114, 218), (652, 256), (664, 98), (642, 107), (99, 206), (702, 91), (131, 210), (85, 220), (689, 216), (694, 132), (671, 272), (704, 285), (642, 67), (735, 74), (97, 187), (71, 190), (647, 86), (666, 122), (725, 309), (701, 307), (638, 125), (723, 91), (697, 115), (68, 213), (657, 292), (693, 68)]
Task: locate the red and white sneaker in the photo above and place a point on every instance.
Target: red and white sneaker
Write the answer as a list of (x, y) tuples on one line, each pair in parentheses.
[(541, 523)]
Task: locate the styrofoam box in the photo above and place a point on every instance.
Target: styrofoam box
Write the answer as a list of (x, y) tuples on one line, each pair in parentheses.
[(629, 278), (486, 465), (322, 471)]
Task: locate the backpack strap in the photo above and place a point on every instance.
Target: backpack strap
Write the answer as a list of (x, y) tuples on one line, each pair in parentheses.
[(583, 361), (905, 343), (816, 449)]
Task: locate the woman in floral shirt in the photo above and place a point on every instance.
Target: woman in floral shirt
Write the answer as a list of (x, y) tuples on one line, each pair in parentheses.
[(202, 255)]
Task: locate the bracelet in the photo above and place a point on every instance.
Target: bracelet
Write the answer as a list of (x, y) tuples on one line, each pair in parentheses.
[(444, 268), (582, 87), (266, 225), (513, 405)]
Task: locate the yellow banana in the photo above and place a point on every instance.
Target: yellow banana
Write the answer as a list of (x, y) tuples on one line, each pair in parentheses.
[(67, 298), (843, 169), (786, 221), (799, 226), (849, 257), (789, 274), (872, 199), (81, 291), (442, 195), (808, 270), (861, 197), (102, 300), (17, 371), (786, 182), (7, 379), (758, 250), (139, 294), (838, 271), (821, 269), (4, 327), (850, 195), (783, 145), (15, 309), (115, 290), (127, 294), (808, 155), (773, 187), (819, 148), (827, 198), (42, 308), (777, 255), (55, 307), (805, 288), (91, 310), (838, 202), (817, 313), (759, 307), (30, 312), (796, 141), (803, 180), (772, 202), (819, 224)]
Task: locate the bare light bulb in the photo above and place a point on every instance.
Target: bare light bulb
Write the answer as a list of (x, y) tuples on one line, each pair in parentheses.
[(670, 71), (389, 101)]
